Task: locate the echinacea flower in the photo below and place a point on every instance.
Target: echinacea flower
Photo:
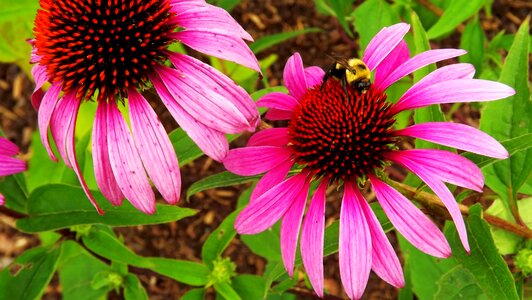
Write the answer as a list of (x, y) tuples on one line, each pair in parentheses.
[(339, 139), (110, 51), (8, 164)]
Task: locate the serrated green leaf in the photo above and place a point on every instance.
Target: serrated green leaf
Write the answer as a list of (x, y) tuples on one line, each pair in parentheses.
[(271, 40), (371, 17), (133, 289), (226, 290), (457, 12), (58, 206), (510, 118)]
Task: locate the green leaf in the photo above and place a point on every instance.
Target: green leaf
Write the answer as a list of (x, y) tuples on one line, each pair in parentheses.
[(510, 118), (36, 267), (458, 283), (57, 206), (265, 244), (473, 40), (219, 239), (513, 146), (340, 7), (225, 289), (194, 294), (371, 17), (268, 41), (133, 289), (249, 286), (222, 179), (457, 12), (15, 192), (488, 268)]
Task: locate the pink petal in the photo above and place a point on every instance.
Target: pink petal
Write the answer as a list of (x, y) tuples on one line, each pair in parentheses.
[(10, 166), (312, 239), (270, 137), (211, 19), (271, 206), (222, 46), (126, 163), (178, 6), (294, 76), (2, 200), (398, 56), (314, 76), (212, 142), (40, 76), (7, 147), (384, 261), (155, 147), (219, 84), (290, 229), (453, 91), (457, 136), (279, 101), (445, 165), (355, 243), (383, 43), (446, 73), (100, 156), (417, 62), (275, 114), (205, 105), (46, 110), (249, 161), (410, 221), (271, 179)]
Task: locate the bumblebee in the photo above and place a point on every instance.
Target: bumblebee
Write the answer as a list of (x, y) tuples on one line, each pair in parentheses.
[(353, 72)]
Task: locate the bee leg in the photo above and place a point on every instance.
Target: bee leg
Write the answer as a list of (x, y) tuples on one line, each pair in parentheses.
[(344, 85), (327, 76)]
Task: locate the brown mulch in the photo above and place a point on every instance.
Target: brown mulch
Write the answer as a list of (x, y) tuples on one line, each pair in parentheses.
[(183, 239)]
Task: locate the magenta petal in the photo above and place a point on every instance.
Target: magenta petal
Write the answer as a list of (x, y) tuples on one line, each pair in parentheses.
[(46, 110), (7, 147), (417, 62), (312, 239), (40, 76), (457, 136), (270, 207), (294, 76), (446, 73), (290, 229), (417, 228), (279, 101), (453, 91), (383, 43), (155, 148), (2, 200), (60, 122), (398, 56), (270, 137), (10, 166), (384, 261), (275, 114), (314, 76), (271, 179), (100, 155), (178, 6), (249, 161), (444, 165), (222, 46), (212, 142), (126, 163), (354, 249)]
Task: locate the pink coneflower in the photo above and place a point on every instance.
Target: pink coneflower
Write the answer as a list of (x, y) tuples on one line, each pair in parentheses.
[(8, 164), (112, 49), (348, 140)]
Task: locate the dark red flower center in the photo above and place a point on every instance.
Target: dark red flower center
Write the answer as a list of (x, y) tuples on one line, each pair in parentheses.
[(339, 135), (102, 45)]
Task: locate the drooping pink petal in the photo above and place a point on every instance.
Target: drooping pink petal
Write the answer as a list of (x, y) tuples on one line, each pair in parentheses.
[(383, 43), (457, 136), (59, 124), (312, 239), (446, 166), (314, 76), (46, 110), (270, 207), (100, 155), (354, 249), (270, 137), (417, 62), (453, 91), (275, 114), (294, 76), (397, 56), (125, 162), (445, 73), (220, 84), (384, 261), (7, 147), (10, 166), (38, 73), (417, 228), (212, 142), (155, 148), (290, 229), (222, 46), (249, 161), (207, 106), (211, 19), (271, 179), (279, 101)]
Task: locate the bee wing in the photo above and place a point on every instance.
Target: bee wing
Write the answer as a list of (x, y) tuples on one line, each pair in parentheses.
[(342, 61)]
